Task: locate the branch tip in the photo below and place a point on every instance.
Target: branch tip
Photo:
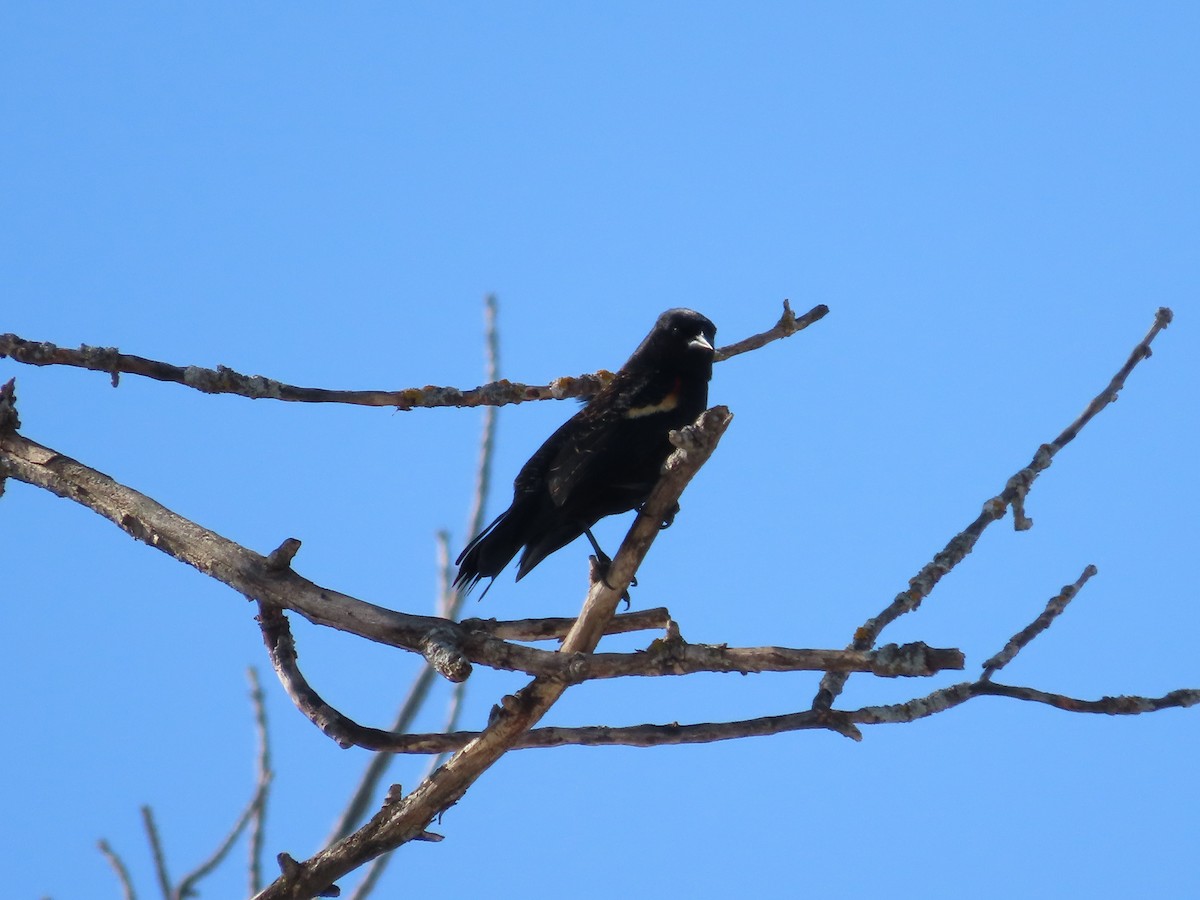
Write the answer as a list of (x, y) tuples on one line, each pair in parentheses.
[(281, 557)]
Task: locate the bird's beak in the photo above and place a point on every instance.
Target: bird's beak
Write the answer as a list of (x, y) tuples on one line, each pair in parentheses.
[(700, 342)]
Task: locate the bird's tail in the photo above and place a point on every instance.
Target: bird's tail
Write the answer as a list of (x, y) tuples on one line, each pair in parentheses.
[(490, 551)]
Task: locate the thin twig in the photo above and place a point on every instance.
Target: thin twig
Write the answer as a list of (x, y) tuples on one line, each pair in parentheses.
[(445, 593), (787, 325), (118, 866), (263, 778), (920, 586), (449, 602), (361, 798), (156, 851), (1018, 641), (253, 812), (487, 438), (187, 884), (377, 866), (375, 870), (956, 694)]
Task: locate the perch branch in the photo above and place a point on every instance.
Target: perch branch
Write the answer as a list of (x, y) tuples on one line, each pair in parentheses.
[(920, 586), (548, 629), (407, 819), (451, 647), (449, 600), (672, 656), (252, 812), (223, 380)]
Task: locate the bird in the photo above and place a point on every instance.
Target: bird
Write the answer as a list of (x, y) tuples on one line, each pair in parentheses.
[(606, 458)]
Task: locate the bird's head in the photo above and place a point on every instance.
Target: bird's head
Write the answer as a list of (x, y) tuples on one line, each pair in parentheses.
[(681, 338)]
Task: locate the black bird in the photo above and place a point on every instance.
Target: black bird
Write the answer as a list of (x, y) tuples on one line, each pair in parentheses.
[(607, 457)]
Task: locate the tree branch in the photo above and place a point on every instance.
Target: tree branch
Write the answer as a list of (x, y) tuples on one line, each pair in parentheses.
[(407, 819), (557, 627), (216, 556), (837, 720), (920, 586), (787, 325), (156, 851), (670, 656), (1054, 608), (223, 380), (451, 647), (264, 777), (252, 813), (118, 867)]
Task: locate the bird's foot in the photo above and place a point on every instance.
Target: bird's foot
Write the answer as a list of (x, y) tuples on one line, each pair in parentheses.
[(669, 518), (601, 563)]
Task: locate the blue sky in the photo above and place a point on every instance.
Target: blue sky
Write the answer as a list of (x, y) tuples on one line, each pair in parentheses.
[(993, 199)]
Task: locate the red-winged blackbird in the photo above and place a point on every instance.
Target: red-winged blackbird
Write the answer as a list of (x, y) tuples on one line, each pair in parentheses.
[(607, 457)]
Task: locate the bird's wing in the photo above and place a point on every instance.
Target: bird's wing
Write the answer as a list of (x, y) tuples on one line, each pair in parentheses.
[(592, 433)]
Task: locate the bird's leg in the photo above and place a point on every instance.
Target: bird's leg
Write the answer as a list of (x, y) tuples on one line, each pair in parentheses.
[(603, 562), (603, 557)]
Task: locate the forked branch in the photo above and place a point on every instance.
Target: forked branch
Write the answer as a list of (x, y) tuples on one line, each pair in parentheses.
[(1014, 493)]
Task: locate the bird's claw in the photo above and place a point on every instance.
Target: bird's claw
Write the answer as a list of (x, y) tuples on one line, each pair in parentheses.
[(668, 519), (601, 563)]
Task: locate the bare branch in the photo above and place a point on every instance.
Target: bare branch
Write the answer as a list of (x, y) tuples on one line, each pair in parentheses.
[(1018, 641), (1124, 705), (487, 440), (450, 600), (920, 586), (156, 851), (263, 779), (223, 380), (787, 325), (409, 818), (836, 720), (361, 798), (253, 811), (448, 646), (956, 694), (118, 866), (671, 656), (277, 635), (379, 864), (551, 628), (222, 559)]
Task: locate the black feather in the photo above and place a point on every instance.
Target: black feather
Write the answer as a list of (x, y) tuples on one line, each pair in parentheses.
[(607, 457)]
